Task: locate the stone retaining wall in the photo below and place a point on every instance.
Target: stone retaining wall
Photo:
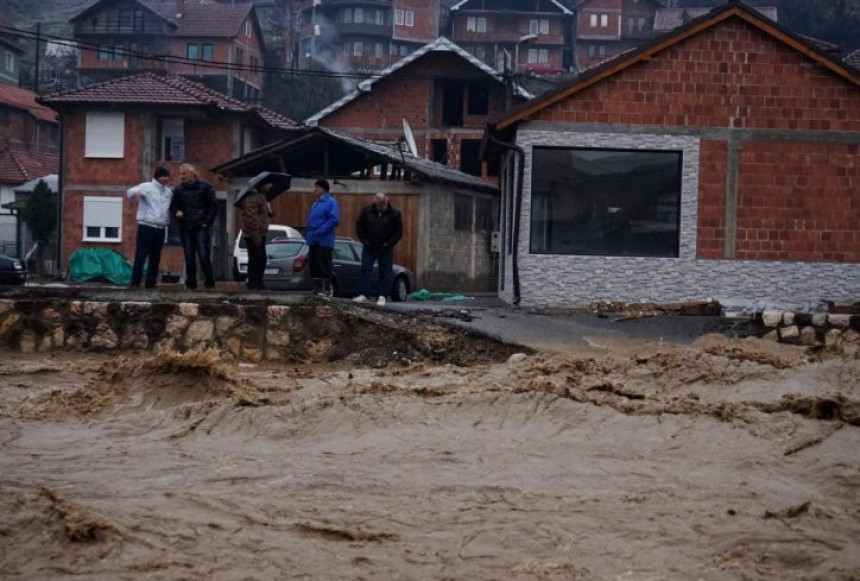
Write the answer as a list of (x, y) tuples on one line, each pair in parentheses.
[(310, 331), (831, 330)]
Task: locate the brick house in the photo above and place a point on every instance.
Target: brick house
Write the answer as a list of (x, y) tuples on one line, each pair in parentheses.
[(365, 35), (10, 56), (29, 136), (217, 43), (445, 93), (448, 216), (522, 37), (721, 160), (115, 133)]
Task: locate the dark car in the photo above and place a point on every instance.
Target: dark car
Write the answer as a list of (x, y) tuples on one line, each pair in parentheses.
[(12, 270), (287, 269)]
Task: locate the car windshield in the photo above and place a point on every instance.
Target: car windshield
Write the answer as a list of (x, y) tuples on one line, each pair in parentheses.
[(284, 249)]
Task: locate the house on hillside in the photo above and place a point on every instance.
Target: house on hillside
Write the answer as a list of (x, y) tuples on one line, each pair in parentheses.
[(10, 56), (115, 133), (721, 160), (515, 35), (29, 145), (363, 35), (448, 215), (445, 94), (217, 43)]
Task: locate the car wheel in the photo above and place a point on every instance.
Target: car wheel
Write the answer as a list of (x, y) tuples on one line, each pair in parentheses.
[(400, 289)]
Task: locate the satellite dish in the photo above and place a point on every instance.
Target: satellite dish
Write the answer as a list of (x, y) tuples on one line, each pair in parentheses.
[(410, 138)]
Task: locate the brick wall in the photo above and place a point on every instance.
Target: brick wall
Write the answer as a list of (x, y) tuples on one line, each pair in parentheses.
[(799, 202)]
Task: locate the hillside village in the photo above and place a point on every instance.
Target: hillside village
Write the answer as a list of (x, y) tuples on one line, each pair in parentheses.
[(158, 82)]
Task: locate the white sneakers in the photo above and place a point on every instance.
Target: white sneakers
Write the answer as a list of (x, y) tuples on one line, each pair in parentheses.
[(363, 299)]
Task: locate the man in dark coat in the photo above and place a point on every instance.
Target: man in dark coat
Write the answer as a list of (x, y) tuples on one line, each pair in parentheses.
[(379, 227), (195, 206)]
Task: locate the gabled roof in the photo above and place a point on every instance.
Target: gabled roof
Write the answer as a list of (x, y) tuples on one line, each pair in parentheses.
[(23, 99), (200, 18), (18, 166), (7, 37), (152, 89), (305, 155), (441, 44), (560, 6), (853, 59), (734, 9), (98, 6), (671, 18)]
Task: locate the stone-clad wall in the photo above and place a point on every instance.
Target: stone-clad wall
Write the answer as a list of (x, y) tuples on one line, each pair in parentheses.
[(247, 331)]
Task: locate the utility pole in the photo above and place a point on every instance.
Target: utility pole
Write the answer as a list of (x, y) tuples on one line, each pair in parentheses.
[(36, 76)]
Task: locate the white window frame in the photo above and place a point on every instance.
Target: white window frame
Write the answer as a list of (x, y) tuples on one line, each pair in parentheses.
[(604, 21), (410, 18), (10, 62), (592, 20), (105, 135), (398, 17), (482, 24), (357, 48), (102, 212), (248, 28)]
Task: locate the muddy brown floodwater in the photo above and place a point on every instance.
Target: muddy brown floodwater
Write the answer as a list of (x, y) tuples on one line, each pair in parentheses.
[(721, 460)]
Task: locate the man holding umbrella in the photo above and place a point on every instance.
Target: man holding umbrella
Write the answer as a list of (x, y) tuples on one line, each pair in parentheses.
[(256, 212)]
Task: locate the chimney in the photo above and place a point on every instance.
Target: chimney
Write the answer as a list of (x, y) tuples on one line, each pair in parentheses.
[(180, 8)]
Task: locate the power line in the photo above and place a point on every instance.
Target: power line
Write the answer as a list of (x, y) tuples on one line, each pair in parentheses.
[(218, 65)]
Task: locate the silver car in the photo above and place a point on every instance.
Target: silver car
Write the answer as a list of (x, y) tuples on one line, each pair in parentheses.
[(288, 269)]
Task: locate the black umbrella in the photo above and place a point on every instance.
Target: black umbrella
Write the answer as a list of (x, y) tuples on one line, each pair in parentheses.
[(280, 184)]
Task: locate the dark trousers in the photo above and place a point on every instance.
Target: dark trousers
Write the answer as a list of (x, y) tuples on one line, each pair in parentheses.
[(197, 241), (256, 263), (319, 259), (386, 260), (150, 241)]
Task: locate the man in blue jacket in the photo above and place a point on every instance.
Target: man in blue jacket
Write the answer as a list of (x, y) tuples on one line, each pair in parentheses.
[(323, 219), (195, 206)]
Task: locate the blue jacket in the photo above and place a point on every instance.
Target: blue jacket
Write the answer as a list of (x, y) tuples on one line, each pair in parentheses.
[(323, 218)]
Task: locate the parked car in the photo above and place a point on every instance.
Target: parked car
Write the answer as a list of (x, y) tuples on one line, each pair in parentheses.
[(288, 269), (240, 251), (12, 270)]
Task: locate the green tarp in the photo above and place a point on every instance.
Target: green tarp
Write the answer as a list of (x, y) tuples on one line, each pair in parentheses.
[(89, 264), (426, 295)]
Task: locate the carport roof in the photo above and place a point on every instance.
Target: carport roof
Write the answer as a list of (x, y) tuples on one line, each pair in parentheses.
[(319, 151)]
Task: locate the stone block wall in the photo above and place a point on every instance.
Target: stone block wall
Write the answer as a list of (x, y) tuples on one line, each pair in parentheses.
[(310, 331)]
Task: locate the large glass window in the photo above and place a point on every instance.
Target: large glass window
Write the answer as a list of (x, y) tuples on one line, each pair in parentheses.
[(605, 202)]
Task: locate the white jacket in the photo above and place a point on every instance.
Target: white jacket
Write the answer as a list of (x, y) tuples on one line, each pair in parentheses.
[(154, 206)]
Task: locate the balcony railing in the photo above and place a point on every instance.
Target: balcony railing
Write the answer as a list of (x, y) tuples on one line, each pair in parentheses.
[(84, 28)]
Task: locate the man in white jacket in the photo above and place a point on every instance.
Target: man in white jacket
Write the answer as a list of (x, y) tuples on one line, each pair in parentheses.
[(153, 217)]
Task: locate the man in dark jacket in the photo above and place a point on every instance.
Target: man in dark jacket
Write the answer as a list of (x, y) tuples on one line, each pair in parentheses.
[(195, 206), (379, 227)]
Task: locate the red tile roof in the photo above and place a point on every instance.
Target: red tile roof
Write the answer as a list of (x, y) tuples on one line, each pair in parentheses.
[(18, 166), (671, 18), (208, 18), (23, 99), (152, 89)]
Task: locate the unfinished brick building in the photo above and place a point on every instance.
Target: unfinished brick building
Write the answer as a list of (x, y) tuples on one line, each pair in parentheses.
[(722, 160)]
